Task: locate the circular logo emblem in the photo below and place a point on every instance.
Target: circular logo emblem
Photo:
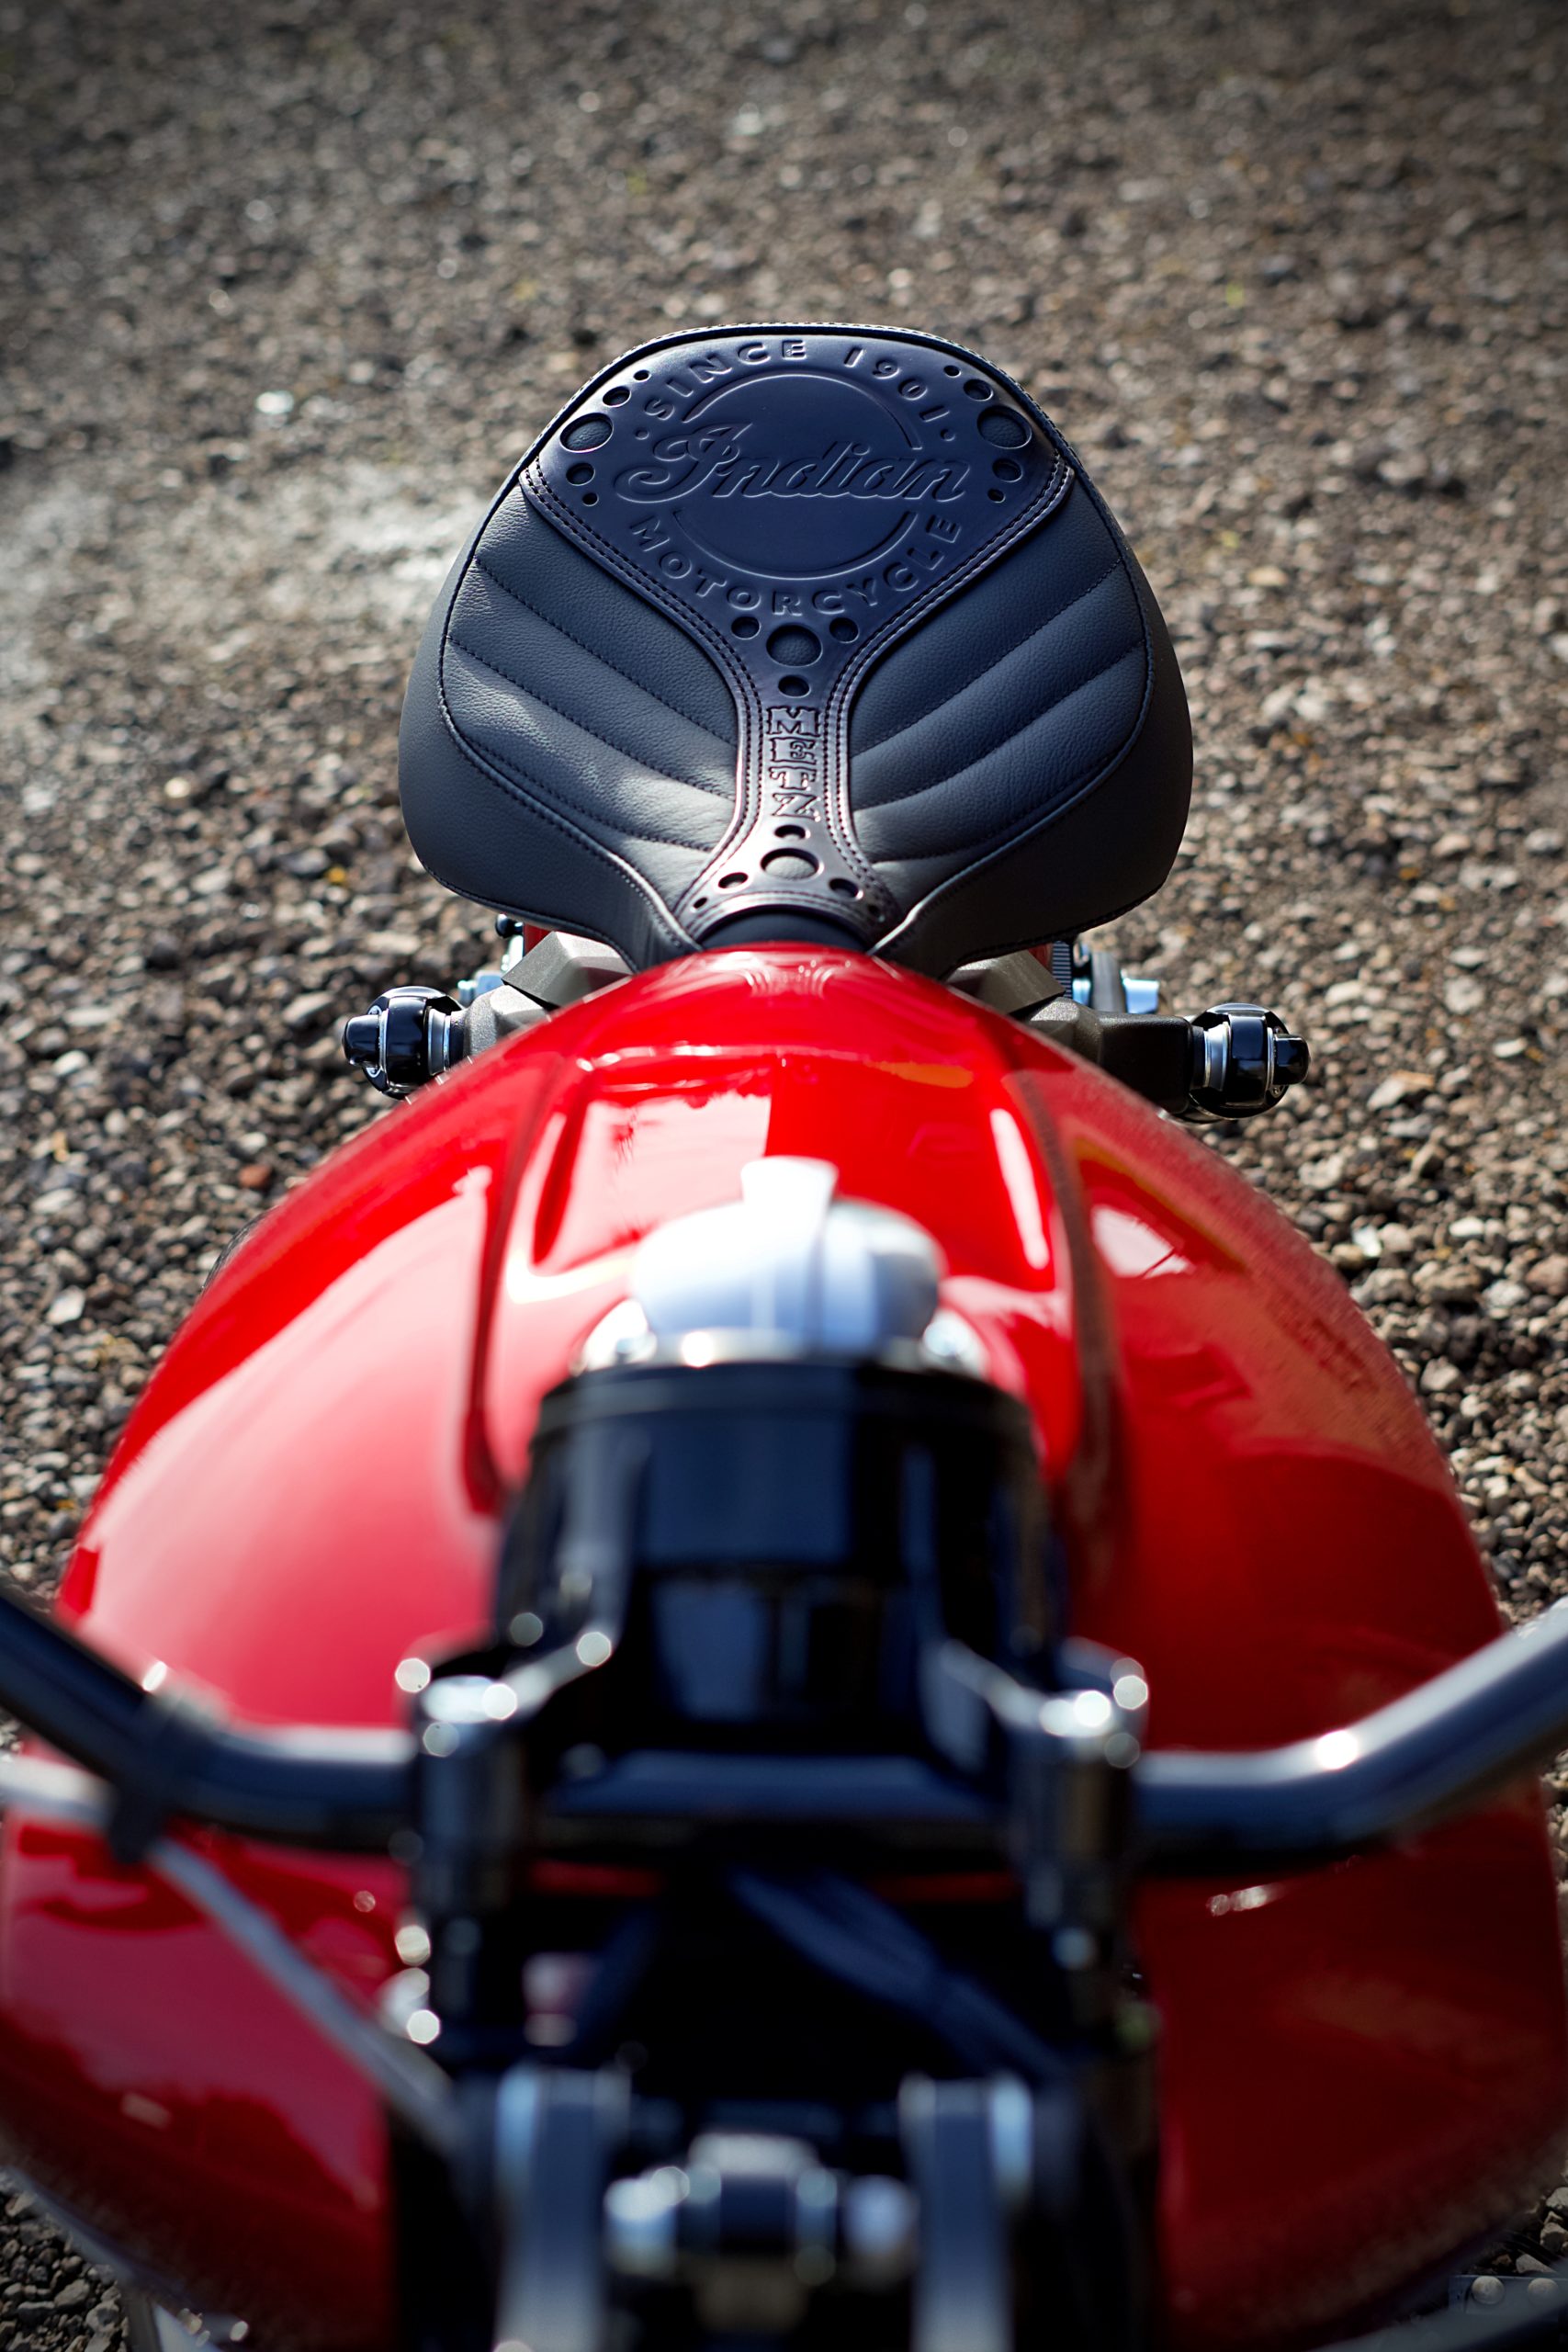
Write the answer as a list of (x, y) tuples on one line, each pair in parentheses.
[(794, 492), (792, 473), (795, 497)]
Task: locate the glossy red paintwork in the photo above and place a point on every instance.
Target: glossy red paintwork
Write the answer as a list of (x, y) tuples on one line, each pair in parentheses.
[(1360, 2069)]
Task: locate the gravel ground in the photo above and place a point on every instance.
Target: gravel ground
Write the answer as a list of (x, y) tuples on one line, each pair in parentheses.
[(286, 289)]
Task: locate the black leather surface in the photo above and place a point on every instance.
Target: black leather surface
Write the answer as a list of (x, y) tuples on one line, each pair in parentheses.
[(822, 629)]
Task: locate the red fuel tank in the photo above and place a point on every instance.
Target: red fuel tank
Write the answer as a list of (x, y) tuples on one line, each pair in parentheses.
[(1363, 2068)]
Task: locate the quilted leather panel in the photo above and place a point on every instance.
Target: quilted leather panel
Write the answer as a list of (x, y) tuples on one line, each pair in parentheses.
[(973, 646), (565, 750), (970, 807), (576, 598), (987, 721), (545, 706)]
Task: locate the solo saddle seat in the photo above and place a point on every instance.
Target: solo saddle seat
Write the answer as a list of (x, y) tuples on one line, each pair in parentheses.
[(811, 633)]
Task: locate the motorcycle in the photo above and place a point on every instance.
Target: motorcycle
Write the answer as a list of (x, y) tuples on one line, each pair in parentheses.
[(775, 1668)]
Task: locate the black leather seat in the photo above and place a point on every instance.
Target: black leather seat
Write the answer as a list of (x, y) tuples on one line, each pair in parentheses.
[(812, 633)]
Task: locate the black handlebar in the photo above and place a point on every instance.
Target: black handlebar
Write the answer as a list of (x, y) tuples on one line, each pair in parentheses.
[(162, 1753), (1443, 1747)]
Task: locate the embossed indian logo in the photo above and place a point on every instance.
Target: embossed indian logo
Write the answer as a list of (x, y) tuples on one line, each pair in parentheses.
[(794, 497), (794, 476), (727, 461)]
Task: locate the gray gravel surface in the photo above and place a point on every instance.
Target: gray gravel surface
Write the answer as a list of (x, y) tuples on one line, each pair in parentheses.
[(284, 290)]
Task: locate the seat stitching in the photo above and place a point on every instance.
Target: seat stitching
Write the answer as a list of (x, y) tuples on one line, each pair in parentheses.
[(550, 800), (1004, 833), (930, 907), (631, 832), (658, 914), (663, 925), (583, 647), (595, 734), (839, 806), (1011, 734), (974, 676)]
